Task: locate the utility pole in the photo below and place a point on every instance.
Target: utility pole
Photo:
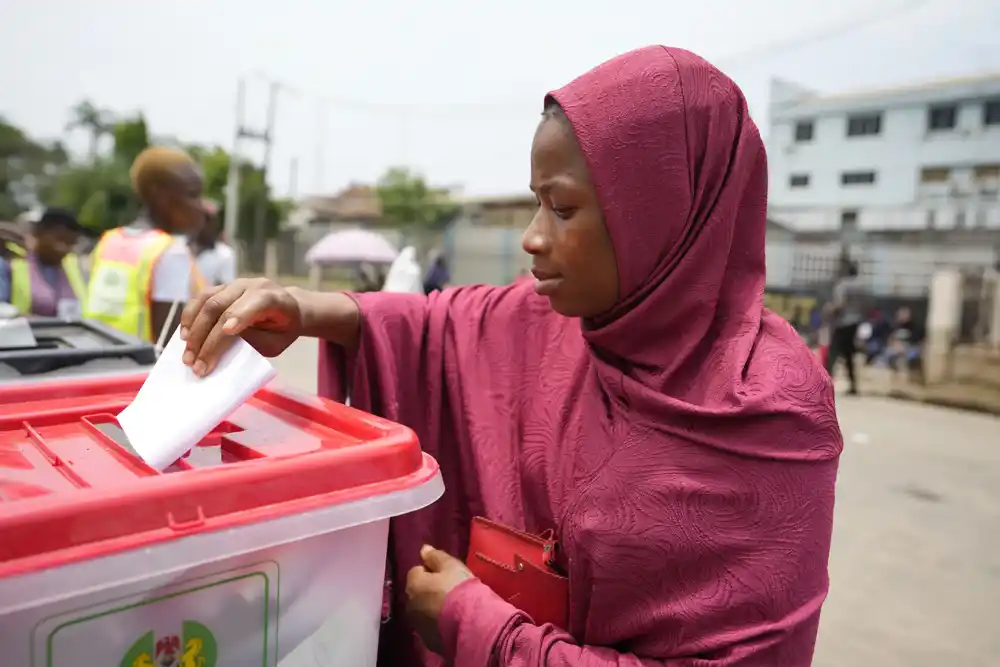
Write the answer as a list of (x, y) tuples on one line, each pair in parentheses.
[(268, 138), (233, 180), (320, 157), (235, 160), (293, 179)]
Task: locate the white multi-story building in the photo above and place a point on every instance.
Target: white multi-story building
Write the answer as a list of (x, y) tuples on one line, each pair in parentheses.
[(921, 157)]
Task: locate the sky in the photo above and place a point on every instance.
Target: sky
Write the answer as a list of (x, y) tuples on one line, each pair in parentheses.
[(451, 88)]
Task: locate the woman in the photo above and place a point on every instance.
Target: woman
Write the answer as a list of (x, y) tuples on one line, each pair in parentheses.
[(48, 281), (635, 397)]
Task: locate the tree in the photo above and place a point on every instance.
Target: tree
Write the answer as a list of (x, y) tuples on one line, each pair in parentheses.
[(407, 200), (98, 122), (253, 192), (131, 138), (27, 170)]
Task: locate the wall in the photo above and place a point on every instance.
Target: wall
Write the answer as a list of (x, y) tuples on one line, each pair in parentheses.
[(485, 254), (886, 268), (951, 214), (897, 154)]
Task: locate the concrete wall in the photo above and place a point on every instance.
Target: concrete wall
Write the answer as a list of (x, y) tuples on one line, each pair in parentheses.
[(900, 197)]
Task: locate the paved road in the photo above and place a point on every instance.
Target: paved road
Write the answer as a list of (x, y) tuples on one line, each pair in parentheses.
[(915, 567)]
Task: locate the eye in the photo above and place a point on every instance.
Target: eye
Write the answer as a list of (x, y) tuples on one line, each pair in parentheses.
[(563, 213)]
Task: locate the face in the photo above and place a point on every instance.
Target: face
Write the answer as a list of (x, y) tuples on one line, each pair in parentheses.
[(573, 261), (52, 245), (177, 202)]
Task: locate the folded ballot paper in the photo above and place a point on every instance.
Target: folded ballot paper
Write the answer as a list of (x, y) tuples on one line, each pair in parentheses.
[(175, 408)]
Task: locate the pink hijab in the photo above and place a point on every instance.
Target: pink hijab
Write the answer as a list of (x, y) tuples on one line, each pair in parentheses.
[(684, 448)]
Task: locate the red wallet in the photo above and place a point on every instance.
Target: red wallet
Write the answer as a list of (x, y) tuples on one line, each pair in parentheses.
[(520, 568)]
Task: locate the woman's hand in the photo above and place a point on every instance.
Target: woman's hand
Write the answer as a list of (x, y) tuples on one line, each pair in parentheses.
[(427, 586), (265, 314)]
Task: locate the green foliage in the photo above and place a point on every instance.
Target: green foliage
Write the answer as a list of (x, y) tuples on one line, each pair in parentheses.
[(407, 200), (253, 193), (27, 169), (99, 189), (131, 138)]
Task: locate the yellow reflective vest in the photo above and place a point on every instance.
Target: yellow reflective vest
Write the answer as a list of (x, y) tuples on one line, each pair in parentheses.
[(20, 282), (121, 277)]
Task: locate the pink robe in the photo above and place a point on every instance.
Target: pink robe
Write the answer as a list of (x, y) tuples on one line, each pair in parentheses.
[(684, 448)]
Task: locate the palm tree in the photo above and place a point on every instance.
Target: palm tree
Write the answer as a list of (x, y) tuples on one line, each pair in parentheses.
[(98, 122)]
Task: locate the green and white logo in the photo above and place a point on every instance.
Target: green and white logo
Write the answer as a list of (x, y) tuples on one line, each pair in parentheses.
[(194, 647)]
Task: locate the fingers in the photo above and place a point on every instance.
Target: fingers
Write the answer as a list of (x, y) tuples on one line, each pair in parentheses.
[(202, 315), (245, 311), (414, 578), (435, 560), (193, 307)]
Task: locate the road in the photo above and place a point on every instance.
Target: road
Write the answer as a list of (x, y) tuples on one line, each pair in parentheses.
[(915, 568)]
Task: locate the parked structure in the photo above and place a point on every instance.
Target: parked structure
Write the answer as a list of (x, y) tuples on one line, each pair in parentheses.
[(920, 157)]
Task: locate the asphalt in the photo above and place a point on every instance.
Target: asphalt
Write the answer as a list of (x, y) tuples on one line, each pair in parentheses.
[(915, 567)]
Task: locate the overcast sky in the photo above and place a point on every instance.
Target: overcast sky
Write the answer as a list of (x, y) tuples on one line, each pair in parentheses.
[(451, 87)]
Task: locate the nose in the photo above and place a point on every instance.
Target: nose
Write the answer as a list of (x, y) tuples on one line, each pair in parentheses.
[(534, 241)]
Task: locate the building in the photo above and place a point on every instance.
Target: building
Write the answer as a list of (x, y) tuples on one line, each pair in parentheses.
[(514, 211), (920, 157), (355, 205)]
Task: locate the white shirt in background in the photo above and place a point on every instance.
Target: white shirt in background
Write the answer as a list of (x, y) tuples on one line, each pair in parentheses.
[(171, 279), (218, 265)]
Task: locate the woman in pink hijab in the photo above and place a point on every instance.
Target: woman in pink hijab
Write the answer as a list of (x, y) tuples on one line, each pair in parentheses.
[(635, 398)]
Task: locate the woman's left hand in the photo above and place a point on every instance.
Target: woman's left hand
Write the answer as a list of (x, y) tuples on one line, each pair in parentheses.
[(427, 586)]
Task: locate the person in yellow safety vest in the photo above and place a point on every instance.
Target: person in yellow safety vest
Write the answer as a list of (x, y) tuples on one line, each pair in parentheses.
[(140, 271), (48, 280)]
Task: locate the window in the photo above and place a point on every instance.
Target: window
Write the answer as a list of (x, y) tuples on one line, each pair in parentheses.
[(935, 175), (986, 171), (857, 178), (798, 181), (804, 130), (942, 117), (862, 125), (991, 112), (848, 220)]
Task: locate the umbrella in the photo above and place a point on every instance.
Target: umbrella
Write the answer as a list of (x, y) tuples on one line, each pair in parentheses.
[(352, 246)]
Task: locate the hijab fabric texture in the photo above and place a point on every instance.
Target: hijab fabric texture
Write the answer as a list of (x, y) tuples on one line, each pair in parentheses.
[(684, 447)]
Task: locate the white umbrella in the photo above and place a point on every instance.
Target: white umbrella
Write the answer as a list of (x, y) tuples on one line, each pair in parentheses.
[(350, 247)]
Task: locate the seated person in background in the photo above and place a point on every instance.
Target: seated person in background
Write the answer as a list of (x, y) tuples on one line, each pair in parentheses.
[(142, 270), (48, 281), (881, 327), (905, 339)]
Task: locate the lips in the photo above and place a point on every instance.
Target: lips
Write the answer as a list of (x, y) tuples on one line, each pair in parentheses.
[(546, 282), (542, 276)]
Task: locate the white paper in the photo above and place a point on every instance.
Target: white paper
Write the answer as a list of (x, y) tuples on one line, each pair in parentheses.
[(174, 409)]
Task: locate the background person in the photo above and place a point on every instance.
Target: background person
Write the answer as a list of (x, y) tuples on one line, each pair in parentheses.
[(848, 314), (48, 280), (140, 271), (216, 259), (438, 276)]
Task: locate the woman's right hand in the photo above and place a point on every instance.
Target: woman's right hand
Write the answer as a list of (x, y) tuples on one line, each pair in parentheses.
[(264, 314)]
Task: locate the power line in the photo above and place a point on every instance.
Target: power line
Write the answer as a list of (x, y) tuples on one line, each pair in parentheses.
[(451, 108)]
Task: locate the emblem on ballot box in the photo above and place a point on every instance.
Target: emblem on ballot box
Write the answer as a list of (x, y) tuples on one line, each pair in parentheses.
[(194, 647)]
